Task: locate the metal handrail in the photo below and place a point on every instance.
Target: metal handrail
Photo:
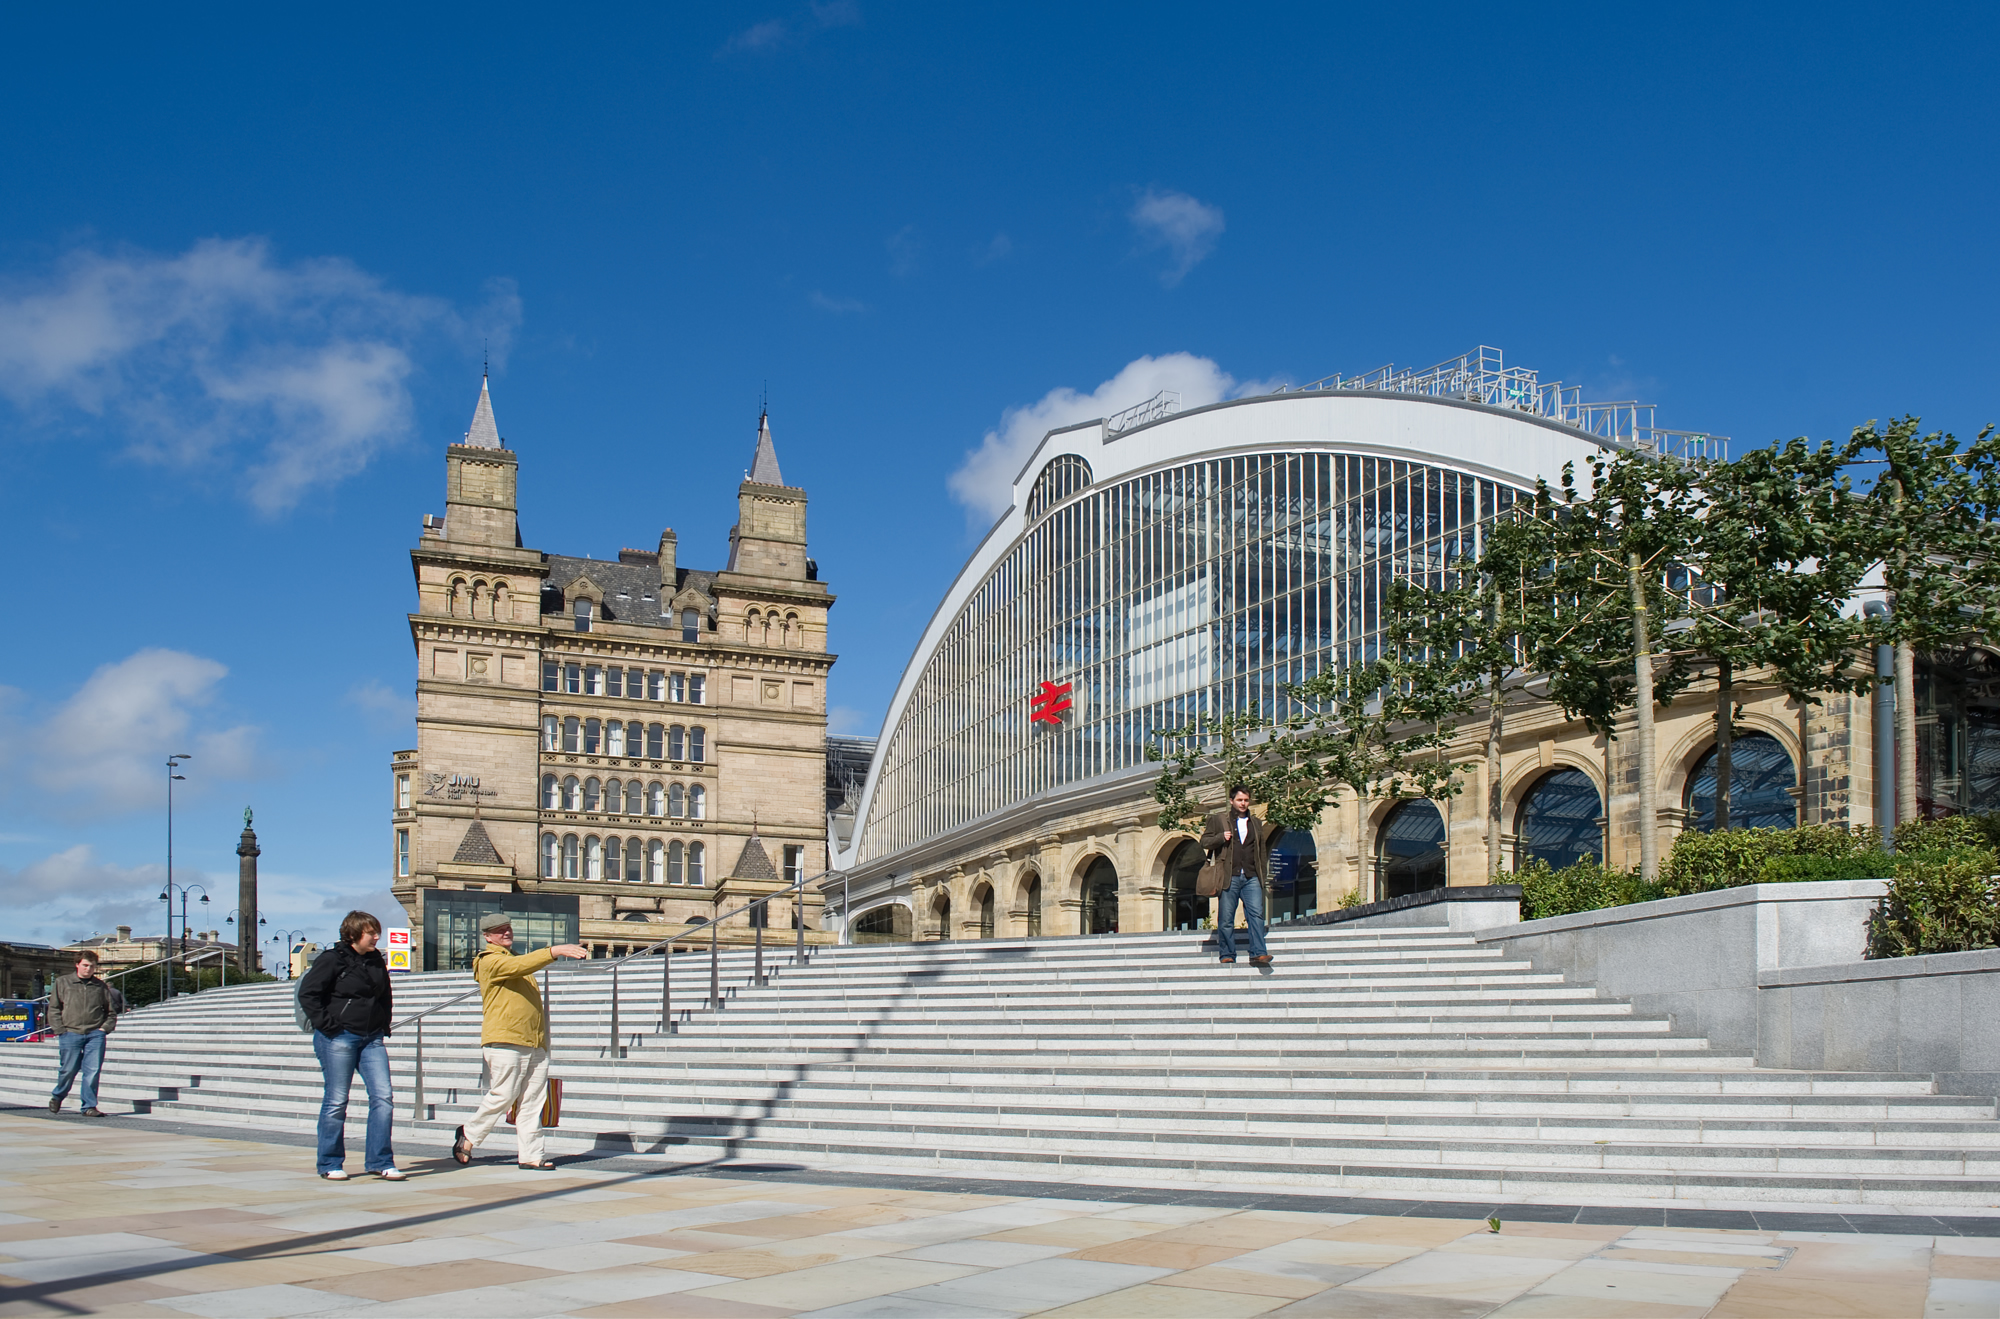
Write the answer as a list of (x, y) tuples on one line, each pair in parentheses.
[(143, 966), (612, 964)]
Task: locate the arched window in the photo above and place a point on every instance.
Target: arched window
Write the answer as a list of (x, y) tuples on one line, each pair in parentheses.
[(614, 797), (941, 913), (592, 733), (550, 851), (1035, 907), (1061, 477), (676, 862), (1760, 779), (593, 857), (890, 924), (984, 899), (482, 607), (697, 745), (614, 858), (793, 637), (583, 613), (551, 733), (1294, 877), (676, 743), (572, 861), (550, 801), (456, 600), (614, 738), (697, 863), (656, 799), (676, 801), (1409, 850), (572, 794), (593, 793), (690, 625), (635, 863), (1185, 909), (656, 737), (656, 864), (1100, 897), (697, 802), (1557, 822), (503, 603), (570, 734)]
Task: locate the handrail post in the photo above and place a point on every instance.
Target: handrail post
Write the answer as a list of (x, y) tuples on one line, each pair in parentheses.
[(715, 965), (417, 1105), (614, 1010), (799, 919), (757, 975), (667, 987)]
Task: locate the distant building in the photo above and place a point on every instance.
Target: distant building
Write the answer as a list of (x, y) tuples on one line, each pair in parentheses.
[(120, 949), (28, 969), (612, 751)]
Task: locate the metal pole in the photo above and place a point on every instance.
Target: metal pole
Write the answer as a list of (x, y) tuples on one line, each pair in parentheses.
[(799, 920), (715, 965), (614, 1009), (763, 914), (417, 1105), (1885, 745), (666, 988)]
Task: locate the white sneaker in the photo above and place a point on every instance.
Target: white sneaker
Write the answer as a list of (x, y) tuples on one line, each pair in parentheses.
[(337, 1175), (393, 1175)]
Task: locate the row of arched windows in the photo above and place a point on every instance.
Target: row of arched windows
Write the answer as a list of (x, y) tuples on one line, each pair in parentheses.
[(613, 737), (626, 860), (675, 801), (476, 598), (766, 627), (633, 684)]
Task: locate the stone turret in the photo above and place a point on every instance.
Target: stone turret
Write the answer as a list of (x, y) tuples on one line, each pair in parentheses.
[(480, 478), (247, 853)]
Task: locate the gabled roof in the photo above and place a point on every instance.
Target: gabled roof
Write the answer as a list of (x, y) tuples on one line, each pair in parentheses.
[(476, 849), (764, 468), (483, 434)]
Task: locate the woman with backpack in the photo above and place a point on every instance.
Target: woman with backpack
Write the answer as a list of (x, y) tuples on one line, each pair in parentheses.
[(346, 995)]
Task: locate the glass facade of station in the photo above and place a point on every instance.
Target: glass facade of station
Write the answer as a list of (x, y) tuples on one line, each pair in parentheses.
[(1200, 588)]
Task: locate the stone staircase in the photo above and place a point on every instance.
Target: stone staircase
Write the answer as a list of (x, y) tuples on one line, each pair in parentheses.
[(1410, 1062)]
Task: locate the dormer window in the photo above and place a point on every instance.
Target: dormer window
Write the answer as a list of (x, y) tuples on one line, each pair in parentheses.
[(583, 610), (690, 625)]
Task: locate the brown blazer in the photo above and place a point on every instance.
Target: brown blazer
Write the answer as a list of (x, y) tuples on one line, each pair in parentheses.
[(1215, 838)]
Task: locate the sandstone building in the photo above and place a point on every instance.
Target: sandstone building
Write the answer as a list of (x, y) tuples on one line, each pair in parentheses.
[(611, 752)]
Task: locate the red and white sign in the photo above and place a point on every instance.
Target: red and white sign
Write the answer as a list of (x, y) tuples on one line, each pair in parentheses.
[(1048, 704), (396, 949)]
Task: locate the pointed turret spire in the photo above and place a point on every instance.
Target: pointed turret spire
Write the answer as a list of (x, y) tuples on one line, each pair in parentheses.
[(764, 468), (483, 434)]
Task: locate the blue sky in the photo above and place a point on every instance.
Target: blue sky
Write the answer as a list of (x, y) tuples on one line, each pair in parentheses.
[(250, 259)]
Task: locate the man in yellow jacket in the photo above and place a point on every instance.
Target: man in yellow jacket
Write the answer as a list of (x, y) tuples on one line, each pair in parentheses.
[(514, 1039)]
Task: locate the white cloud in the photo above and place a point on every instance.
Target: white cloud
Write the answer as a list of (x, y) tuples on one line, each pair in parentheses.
[(904, 251), (223, 349), (105, 748), (987, 253), (383, 706), (72, 894), (838, 306), (845, 721), (774, 32), (1185, 227), (984, 481)]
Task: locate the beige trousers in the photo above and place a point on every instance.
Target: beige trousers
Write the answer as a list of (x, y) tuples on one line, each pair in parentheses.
[(514, 1076)]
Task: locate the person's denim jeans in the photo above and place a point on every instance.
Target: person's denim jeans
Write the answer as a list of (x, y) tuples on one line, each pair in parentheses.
[(340, 1056), (1249, 890), (74, 1050)]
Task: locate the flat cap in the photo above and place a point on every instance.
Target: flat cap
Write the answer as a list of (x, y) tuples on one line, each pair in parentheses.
[(494, 920)]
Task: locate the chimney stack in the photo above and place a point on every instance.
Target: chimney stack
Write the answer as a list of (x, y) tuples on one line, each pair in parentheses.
[(669, 578)]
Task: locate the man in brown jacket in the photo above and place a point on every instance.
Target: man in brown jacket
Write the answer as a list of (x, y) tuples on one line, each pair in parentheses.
[(1246, 842), (514, 1039), (83, 1010)]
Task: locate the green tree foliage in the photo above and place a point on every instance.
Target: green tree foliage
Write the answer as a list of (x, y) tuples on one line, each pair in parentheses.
[(1932, 519)]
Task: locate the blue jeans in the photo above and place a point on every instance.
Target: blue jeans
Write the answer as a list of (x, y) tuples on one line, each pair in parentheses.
[(340, 1056), (76, 1049), (1250, 891)]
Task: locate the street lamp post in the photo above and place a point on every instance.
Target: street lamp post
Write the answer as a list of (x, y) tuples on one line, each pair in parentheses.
[(246, 938), (286, 937), (166, 894)]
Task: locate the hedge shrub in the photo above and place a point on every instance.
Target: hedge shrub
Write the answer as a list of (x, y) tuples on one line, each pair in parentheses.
[(1585, 886), (1944, 901)]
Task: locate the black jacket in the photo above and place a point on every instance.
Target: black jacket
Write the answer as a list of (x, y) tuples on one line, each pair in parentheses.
[(347, 991)]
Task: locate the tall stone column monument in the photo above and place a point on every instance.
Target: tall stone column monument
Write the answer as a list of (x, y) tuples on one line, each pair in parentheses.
[(247, 853)]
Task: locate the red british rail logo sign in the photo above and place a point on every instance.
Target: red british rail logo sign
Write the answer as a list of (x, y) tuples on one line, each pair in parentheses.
[(1048, 704)]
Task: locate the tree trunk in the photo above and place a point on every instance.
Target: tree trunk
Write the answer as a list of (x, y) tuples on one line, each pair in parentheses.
[(1495, 715), (1725, 721), (1906, 732), (1642, 701)]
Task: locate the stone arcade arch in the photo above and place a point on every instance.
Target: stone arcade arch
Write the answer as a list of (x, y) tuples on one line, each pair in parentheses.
[(1099, 891), (1761, 779), (1184, 910), (1410, 849), (1557, 820)]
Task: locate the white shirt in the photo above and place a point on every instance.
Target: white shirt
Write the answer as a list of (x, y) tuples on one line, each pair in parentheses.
[(1242, 828)]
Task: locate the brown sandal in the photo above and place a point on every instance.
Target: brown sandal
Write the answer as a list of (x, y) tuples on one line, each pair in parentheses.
[(461, 1148), (544, 1166)]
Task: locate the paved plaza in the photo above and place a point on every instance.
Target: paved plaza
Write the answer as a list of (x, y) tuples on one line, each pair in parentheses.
[(119, 1217)]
